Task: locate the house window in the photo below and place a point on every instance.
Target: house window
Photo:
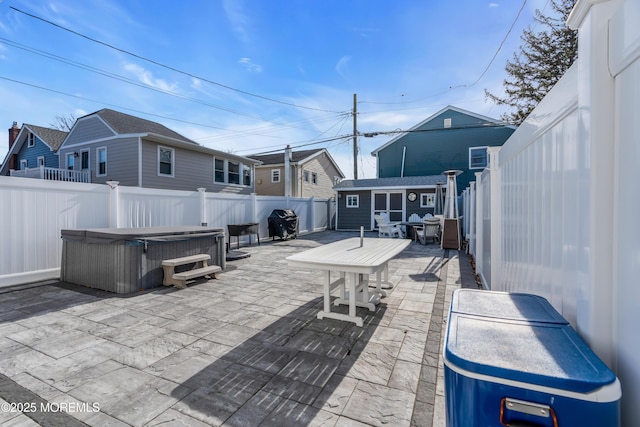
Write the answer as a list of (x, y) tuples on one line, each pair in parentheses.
[(246, 175), (314, 178), (427, 200), (233, 172), (165, 161), (218, 171), (23, 164), (84, 160), (275, 175), (101, 160), (71, 160), (32, 140), (306, 176), (477, 157), (353, 200), (40, 161)]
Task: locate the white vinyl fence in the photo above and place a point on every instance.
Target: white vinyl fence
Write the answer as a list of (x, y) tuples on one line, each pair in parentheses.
[(556, 212), (34, 211)]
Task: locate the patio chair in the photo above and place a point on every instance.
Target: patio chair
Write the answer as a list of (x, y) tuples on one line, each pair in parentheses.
[(388, 229), (415, 218), (430, 230)]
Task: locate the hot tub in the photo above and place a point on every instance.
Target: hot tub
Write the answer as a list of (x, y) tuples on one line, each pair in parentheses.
[(126, 260)]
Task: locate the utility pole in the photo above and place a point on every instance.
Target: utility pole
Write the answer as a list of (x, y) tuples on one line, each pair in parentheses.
[(355, 137)]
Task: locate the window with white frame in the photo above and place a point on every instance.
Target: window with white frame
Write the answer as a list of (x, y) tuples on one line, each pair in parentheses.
[(218, 171), (306, 176), (230, 172), (101, 161), (84, 160), (314, 178), (165, 161), (31, 140), (40, 161), (246, 175), (71, 161), (427, 200), (353, 200), (233, 172), (478, 157), (23, 164), (275, 175)]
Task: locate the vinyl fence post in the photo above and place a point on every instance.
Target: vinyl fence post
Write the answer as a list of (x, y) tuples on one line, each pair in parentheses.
[(114, 204), (203, 207)]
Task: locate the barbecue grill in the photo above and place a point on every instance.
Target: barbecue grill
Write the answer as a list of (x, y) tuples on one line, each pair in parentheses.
[(283, 223)]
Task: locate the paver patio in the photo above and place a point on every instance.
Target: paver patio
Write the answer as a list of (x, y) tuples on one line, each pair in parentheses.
[(243, 350)]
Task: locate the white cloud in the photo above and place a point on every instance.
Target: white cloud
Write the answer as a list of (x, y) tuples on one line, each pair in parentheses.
[(234, 10), (491, 5), (341, 66), (147, 78), (250, 66)]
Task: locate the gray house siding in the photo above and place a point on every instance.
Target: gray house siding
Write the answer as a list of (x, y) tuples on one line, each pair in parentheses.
[(432, 149), (122, 160), (192, 170), (88, 129), (353, 218)]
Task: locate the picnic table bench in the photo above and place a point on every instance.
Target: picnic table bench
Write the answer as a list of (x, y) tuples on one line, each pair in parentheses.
[(201, 268)]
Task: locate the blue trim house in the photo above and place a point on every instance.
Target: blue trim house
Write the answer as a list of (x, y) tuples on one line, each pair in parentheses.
[(31, 147), (451, 139), (359, 200)]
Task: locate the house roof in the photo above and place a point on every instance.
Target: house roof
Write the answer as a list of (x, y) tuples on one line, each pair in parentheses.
[(433, 116), (395, 182), (297, 157), (52, 137), (278, 158), (122, 123)]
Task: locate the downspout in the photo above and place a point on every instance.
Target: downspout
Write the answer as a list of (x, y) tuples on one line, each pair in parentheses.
[(404, 153), (139, 161)]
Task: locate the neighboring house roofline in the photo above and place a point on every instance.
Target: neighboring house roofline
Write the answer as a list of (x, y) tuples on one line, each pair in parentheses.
[(52, 138), (409, 182), (433, 116), (267, 162)]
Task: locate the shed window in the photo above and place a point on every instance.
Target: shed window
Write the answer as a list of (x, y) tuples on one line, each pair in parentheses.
[(353, 200), (477, 157), (427, 200)]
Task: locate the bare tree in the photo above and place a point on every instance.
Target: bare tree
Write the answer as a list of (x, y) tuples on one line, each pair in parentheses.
[(64, 123)]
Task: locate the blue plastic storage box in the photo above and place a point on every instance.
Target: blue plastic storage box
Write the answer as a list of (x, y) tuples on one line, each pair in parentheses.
[(512, 359)]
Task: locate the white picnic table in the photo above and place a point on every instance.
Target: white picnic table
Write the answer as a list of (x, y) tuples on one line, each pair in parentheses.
[(349, 257)]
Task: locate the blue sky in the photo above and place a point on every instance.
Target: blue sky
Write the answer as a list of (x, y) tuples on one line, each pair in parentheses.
[(251, 76)]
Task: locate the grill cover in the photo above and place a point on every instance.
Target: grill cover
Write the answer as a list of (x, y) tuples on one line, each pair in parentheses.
[(283, 223)]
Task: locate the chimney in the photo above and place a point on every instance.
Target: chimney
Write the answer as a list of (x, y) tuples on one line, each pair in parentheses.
[(13, 133)]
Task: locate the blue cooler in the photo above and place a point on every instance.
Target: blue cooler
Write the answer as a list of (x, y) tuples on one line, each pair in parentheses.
[(512, 359)]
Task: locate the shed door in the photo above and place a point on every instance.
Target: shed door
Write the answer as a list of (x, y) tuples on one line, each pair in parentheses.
[(391, 203)]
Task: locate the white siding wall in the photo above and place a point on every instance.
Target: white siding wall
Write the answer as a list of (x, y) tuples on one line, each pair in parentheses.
[(564, 213)]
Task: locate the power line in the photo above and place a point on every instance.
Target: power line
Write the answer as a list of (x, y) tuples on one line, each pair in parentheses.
[(168, 67), (307, 144), (478, 79)]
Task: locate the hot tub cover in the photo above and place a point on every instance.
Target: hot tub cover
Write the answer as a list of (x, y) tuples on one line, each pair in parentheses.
[(138, 235)]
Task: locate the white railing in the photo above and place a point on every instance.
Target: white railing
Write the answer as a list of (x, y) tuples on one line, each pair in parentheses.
[(563, 199), (35, 211), (53, 174)]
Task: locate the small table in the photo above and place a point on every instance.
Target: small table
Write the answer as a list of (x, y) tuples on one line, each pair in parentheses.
[(243, 230), (410, 234), (347, 256)]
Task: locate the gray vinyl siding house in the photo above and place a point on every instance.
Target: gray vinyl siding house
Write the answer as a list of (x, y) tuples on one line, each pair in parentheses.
[(451, 139), (138, 152), (359, 200)]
